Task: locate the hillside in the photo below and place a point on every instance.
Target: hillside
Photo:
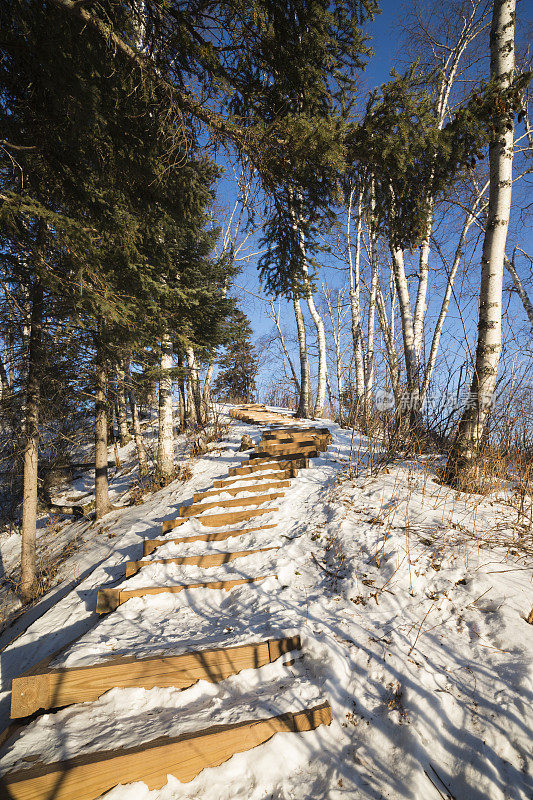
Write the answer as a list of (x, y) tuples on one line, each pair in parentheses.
[(409, 600)]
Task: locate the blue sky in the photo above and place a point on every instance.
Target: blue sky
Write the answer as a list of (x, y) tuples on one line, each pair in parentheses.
[(385, 35)]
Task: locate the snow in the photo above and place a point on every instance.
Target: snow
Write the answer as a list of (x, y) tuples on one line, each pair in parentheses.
[(410, 600)]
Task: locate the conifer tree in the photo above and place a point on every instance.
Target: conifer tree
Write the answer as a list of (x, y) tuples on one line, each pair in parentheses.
[(238, 365)]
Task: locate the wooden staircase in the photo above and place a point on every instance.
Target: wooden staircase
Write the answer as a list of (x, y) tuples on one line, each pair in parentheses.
[(262, 478)]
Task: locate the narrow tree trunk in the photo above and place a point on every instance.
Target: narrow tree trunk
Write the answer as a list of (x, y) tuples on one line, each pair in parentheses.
[(369, 376), (299, 240), (473, 420), (322, 356), (31, 448), (304, 403), (165, 441), (181, 391), (122, 418), (284, 350), (101, 484), (411, 362), (519, 289), (137, 433), (206, 393), (355, 306), (194, 383)]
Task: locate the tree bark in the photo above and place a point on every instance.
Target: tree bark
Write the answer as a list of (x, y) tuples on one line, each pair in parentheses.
[(28, 581), (122, 418), (519, 289), (355, 305), (369, 376), (181, 391), (165, 441), (411, 361), (194, 383), (102, 503), (304, 403), (137, 433), (474, 418)]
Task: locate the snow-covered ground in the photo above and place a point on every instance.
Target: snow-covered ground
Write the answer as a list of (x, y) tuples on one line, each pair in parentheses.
[(410, 600)]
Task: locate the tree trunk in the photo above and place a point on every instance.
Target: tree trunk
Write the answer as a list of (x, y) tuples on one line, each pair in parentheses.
[(102, 503), (411, 361), (165, 441), (369, 376), (181, 391), (473, 420), (122, 418), (519, 289), (206, 393), (137, 433), (194, 383), (355, 306), (28, 579), (304, 403)]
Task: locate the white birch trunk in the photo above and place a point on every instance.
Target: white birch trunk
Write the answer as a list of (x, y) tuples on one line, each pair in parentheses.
[(305, 388), (165, 441), (519, 288), (369, 376), (355, 306), (411, 361), (122, 419), (475, 415)]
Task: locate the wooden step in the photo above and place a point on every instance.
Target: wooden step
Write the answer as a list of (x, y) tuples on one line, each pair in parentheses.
[(218, 520), (297, 449), (280, 476), (236, 502), (321, 441), (60, 687), (264, 465), (149, 545), (87, 776), (295, 431), (110, 599), (204, 560), (256, 487), (300, 459)]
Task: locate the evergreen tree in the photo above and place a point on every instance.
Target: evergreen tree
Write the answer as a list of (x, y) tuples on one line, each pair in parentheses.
[(238, 366)]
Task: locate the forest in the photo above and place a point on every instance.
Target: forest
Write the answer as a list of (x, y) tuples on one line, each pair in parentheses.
[(211, 205)]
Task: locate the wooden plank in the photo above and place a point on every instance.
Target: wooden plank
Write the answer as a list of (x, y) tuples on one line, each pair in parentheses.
[(149, 545), (89, 775), (110, 599), (63, 686), (297, 449), (262, 466), (281, 475), (295, 431), (218, 520), (204, 560), (298, 459), (235, 502), (257, 487)]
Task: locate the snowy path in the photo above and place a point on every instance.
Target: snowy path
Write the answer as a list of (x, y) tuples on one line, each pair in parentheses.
[(410, 601)]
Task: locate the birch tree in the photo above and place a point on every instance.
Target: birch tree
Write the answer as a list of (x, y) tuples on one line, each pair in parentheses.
[(475, 415)]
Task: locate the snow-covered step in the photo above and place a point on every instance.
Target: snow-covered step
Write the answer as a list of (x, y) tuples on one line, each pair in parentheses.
[(218, 520), (275, 474), (257, 487), (87, 776), (264, 465), (256, 500), (204, 560), (55, 688), (149, 545), (110, 599), (294, 453)]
